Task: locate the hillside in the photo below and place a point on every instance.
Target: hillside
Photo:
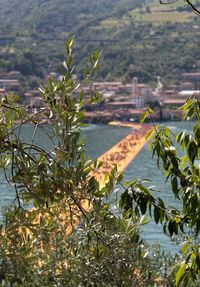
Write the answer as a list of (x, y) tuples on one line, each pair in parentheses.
[(138, 38), (48, 15)]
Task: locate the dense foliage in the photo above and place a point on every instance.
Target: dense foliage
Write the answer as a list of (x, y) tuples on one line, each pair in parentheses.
[(60, 230), (182, 170)]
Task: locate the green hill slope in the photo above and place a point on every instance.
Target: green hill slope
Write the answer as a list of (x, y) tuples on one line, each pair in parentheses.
[(138, 38)]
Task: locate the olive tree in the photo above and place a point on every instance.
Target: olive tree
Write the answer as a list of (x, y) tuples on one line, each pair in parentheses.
[(183, 173), (59, 230)]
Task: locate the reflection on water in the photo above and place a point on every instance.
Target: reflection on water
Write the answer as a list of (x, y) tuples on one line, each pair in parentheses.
[(100, 138)]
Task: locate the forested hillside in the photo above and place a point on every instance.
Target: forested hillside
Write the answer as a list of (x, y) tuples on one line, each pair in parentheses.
[(138, 38)]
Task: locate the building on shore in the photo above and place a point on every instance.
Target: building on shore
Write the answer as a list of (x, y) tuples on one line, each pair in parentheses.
[(10, 85), (120, 101), (188, 93), (9, 81)]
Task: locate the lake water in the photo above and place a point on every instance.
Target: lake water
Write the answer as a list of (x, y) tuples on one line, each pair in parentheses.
[(100, 138)]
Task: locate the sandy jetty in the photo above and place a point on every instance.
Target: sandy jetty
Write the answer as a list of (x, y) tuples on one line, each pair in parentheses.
[(124, 151), (119, 155), (135, 126)]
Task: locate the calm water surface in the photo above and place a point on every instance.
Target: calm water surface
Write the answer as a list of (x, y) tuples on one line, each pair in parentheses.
[(100, 138), (144, 166)]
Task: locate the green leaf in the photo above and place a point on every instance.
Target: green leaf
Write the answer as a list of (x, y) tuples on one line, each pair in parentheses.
[(198, 260), (174, 184), (149, 133), (185, 247), (156, 214), (143, 220), (143, 116), (180, 274), (171, 228), (150, 111), (69, 45), (192, 151), (143, 205), (180, 136)]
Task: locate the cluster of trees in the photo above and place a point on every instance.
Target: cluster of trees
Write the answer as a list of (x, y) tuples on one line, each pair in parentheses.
[(170, 51), (60, 229), (190, 4)]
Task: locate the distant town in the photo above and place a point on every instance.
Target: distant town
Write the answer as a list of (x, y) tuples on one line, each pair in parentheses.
[(119, 101)]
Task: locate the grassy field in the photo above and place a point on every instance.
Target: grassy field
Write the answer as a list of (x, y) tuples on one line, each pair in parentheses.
[(155, 13), (160, 16)]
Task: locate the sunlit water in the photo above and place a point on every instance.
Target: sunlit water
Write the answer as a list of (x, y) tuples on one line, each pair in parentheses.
[(100, 138)]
